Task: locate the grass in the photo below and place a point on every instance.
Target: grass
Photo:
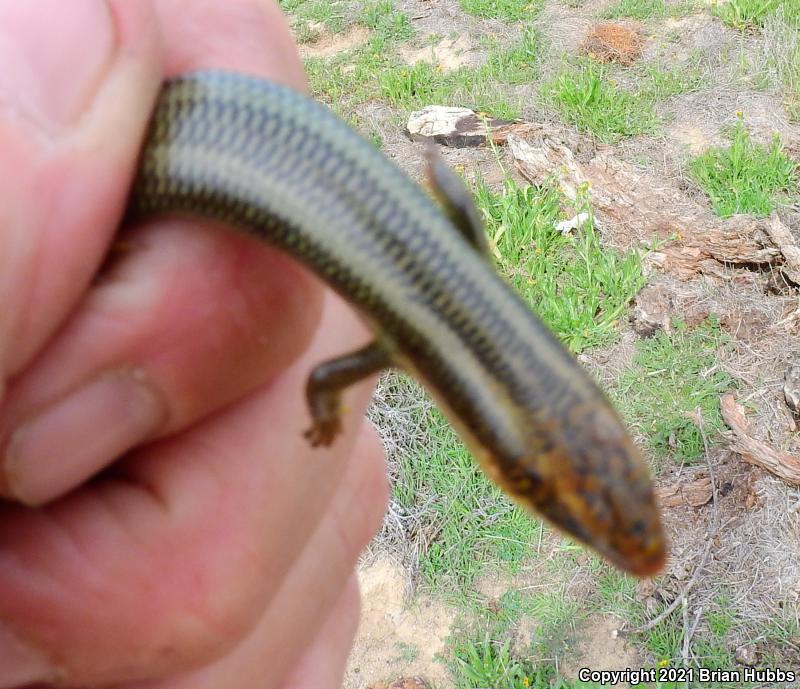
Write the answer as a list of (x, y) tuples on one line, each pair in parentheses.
[(659, 82), (746, 15), (781, 35), (664, 640), (719, 618), (372, 71), (386, 22), (648, 9), (483, 656), (473, 523), (745, 177), (636, 9), (412, 87), (480, 653), (578, 288), (507, 10), (585, 96), (406, 653), (615, 592), (306, 13), (486, 664), (783, 633), (673, 375), (349, 78)]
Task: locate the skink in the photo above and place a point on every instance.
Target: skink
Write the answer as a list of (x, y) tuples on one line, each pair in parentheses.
[(275, 164)]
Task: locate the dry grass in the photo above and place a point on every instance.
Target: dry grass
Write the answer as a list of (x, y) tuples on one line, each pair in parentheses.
[(613, 42)]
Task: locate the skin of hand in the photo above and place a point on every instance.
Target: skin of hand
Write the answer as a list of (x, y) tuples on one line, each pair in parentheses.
[(163, 523)]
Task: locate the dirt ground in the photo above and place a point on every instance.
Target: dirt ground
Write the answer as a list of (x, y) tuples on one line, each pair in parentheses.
[(748, 538)]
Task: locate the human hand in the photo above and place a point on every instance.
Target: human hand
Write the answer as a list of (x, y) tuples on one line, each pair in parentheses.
[(219, 551)]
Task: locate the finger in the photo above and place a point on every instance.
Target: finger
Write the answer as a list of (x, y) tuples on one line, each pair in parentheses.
[(190, 319), (166, 563), (323, 664), (76, 89), (306, 631), (263, 45)]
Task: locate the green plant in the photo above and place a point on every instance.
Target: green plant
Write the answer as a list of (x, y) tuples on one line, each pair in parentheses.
[(407, 653), (486, 664), (664, 641), (585, 96), (373, 69), (650, 9), (383, 19), (615, 591), (330, 14), (745, 14), (516, 64), (781, 40), (790, 11), (509, 10), (671, 376), (660, 82), (636, 9), (411, 87), (578, 288), (745, 177)]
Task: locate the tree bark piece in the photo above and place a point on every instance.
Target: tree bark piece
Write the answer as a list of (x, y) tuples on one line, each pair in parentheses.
[(782, 237), (782, 464), (695, 493), (461, 127), (633, 206)]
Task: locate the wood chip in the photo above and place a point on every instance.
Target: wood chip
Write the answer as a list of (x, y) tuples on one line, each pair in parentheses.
[(782, 464), (782, 237), (694, 493)]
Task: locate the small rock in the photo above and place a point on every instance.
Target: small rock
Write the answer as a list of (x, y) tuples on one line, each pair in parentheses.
[(791, 387), (462, 127), (746, 655), (652, 311), (566, 226)]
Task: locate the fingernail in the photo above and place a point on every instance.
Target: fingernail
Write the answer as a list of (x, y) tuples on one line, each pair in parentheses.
[(54, 54), (77, 436), (20, 665)]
